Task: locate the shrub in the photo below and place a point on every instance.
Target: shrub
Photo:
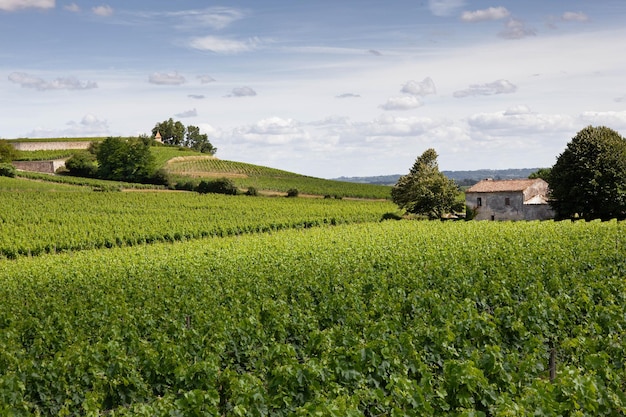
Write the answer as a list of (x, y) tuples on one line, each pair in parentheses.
[(159, 177), (7, 170), (252, 191), (82, 164), (220, 186), (185, 185), (292, 192), (391, 216)]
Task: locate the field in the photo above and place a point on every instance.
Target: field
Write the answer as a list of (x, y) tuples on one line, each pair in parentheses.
[(383, 318), (166, 303), (185, 165), (264, 178), (50, 222)]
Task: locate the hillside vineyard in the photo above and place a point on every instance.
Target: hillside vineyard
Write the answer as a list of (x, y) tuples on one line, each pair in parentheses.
[(392, 318)]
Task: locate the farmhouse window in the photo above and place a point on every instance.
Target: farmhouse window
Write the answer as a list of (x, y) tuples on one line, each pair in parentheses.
[(507, 201), (479, 202)]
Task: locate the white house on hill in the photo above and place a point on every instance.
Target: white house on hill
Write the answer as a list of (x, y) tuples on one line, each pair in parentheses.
[(525, 199)]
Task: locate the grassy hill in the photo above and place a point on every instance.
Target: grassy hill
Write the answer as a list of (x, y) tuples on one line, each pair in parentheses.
[(187, 166)]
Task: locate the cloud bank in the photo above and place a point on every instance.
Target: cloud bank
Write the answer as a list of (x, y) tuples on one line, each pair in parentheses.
[(223, 45), (103, 11), (12, 5), (242, 92), (64, 83), (488, 89), (492, 13), (172, 78)]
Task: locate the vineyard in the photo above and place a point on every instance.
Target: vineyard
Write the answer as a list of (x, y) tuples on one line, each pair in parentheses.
[(246, 175), (36, 223), (377, 319)]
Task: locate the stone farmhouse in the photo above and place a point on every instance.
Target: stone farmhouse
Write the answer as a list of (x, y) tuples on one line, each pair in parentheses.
[(525, 199)]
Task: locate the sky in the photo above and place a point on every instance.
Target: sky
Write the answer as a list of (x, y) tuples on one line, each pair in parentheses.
[(326, 88)]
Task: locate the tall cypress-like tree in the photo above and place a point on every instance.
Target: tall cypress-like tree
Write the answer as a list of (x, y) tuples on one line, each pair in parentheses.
[(588, 179), (425, 190)]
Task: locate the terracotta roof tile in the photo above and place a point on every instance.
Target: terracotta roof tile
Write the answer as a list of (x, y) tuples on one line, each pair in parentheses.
[(492, 186)]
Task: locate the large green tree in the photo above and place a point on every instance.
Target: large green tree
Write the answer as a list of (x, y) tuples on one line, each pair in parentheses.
[(588, 179), (198, 141), (125, 160), (425, 190)]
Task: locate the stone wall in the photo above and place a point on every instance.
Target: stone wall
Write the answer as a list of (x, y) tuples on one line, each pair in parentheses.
[(49, 146), (47, 167)]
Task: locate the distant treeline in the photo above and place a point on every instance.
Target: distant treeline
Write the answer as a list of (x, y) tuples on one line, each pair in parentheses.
[(462, 178)]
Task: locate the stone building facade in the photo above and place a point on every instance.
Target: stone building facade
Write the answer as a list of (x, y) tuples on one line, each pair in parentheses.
[(525, 199)]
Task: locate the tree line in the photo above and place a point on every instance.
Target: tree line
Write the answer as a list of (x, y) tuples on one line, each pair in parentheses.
[(175, 133)]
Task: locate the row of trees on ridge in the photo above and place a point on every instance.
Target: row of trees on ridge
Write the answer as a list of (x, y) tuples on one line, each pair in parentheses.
[(175, 133)]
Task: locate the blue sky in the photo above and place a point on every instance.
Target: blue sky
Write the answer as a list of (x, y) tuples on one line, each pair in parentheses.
[(323, 88)]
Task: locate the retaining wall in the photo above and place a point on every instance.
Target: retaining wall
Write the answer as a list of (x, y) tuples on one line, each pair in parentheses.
[(47, 167), (49, 146)]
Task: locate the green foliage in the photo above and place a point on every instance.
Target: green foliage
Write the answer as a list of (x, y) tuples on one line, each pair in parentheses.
[(172, 133), (425, 190), (198, 141), (343, 321), (251, 191), (543, 173), (7, 151), (82, 164), (588, 179), (125, 160), (7, 170), (38, 223), (175, 133), (391, 216), (219, 186), (88, 182), (44, 155), (292, 192)]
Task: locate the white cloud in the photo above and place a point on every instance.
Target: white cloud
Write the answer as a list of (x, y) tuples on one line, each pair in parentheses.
[(445, 7), (214, 17), (89, 125), (171, 78), (496, 87), (517, 110), (242, 92), (205, 79), (613, 119), (188, 113), (574, 17), (419, 88), (104, 10), (374, 52), (516, 29), (72, 7), (492, 13), (518, 121), (391, 126), (65, 83), (196, 96), (401, 103), (12, 5), (271, 131), (334, 120), (348, 95), (223, 45)]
